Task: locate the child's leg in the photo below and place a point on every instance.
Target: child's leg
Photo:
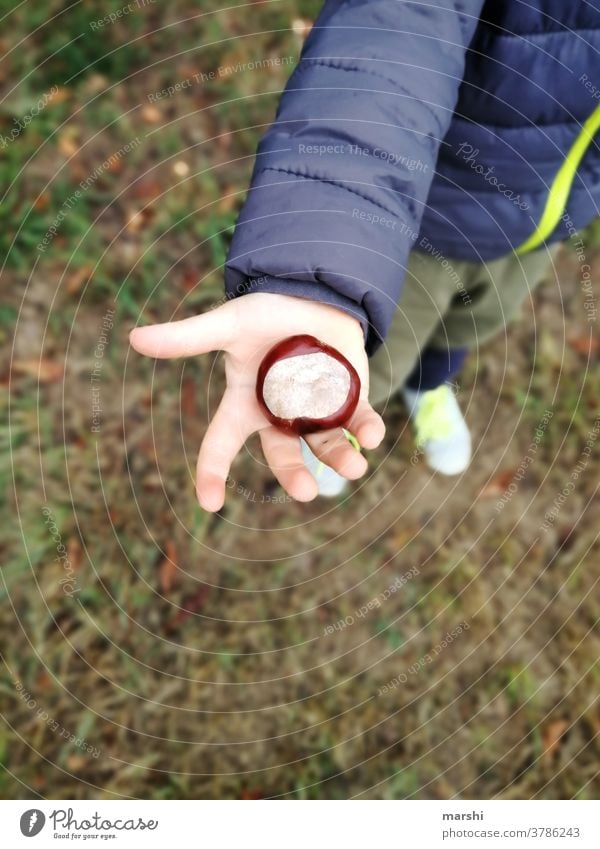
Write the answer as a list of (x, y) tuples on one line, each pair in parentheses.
[(493, 298), (489, 302), (429, 288), (435, 367), (470, 303)]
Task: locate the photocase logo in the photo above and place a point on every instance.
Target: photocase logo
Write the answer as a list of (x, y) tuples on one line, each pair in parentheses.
[(32, 822)]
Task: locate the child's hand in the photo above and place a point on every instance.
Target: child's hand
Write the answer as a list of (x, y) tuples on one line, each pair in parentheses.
[(246, 328)]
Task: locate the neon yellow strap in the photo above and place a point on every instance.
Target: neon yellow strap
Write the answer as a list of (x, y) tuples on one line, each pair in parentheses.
[(351, 439), (561, 185)]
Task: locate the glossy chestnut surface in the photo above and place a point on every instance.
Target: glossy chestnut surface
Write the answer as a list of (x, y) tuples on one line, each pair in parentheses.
[(325, 376)]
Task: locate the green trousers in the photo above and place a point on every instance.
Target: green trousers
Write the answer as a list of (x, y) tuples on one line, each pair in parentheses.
[(452, 304)]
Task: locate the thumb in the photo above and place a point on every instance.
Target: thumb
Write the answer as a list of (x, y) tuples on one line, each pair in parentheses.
[(200, 334)]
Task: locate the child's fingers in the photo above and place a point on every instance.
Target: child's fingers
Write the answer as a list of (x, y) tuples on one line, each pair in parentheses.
[(366, 425), (333, 449), (211, 331), (283, 454), (225, 437)]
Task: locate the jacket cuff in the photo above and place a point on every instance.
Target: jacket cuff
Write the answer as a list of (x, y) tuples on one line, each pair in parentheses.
[(310, 290)]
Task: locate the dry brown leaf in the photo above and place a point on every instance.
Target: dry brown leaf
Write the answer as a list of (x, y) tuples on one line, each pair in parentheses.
[(190, 605), (59, 95), (152, 482), (252, 794), (147, 189), (224, 141), (115, 166), (586, 345), (96, 83), (552, 733), (67, 143), (44, 370), (151, 115), (43, 682), (187, 71), (76, 280), (42, 201), (188, 398), (167, 571), (190, 280), (75, 553), (228, 201), (138, 219), (402, 536), (498, 484), (75, 762)]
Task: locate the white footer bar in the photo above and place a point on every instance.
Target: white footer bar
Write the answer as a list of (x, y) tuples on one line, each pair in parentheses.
[(288, 824)]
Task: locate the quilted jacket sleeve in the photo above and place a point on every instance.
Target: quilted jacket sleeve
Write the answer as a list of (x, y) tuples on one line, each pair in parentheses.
[(342, 175)]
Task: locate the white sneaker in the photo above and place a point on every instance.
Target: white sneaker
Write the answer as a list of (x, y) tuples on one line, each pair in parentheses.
[(440, 429), (330, 483)]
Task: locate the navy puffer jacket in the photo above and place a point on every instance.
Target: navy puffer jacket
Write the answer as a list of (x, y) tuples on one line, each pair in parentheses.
[(406, 124)]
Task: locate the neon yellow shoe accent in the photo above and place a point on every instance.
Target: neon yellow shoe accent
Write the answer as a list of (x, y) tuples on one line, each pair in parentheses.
[(561, 185), (432, 419), (351, 439)]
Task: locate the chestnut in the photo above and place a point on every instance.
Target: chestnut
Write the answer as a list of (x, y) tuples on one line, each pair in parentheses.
[(304, 385)]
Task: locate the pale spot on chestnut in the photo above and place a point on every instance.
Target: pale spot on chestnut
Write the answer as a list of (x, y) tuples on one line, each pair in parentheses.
[(305, 386)]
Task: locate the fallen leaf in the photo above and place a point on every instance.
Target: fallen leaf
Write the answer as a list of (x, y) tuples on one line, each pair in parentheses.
[(138, 219), (59, 95), (498, 484), (153, 481), (552, 733), (95, 83), (75, 553), (151, 115), (190, 280), (401, 537), (252, 794), (43, 682), (228, 200), (192, 604), (147, 188), (75, 762), (41, 202), (188, 399), (586, 345), (167, 570), (225, 140), (187, 71), (67, 143), (44, 370), (115, 166), (77, 170), (76, 280)]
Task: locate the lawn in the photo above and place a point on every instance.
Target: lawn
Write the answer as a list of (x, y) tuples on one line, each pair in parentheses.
[(419, 638)]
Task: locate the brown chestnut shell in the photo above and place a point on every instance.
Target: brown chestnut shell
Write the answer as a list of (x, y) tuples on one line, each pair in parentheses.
[(295, 346)]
